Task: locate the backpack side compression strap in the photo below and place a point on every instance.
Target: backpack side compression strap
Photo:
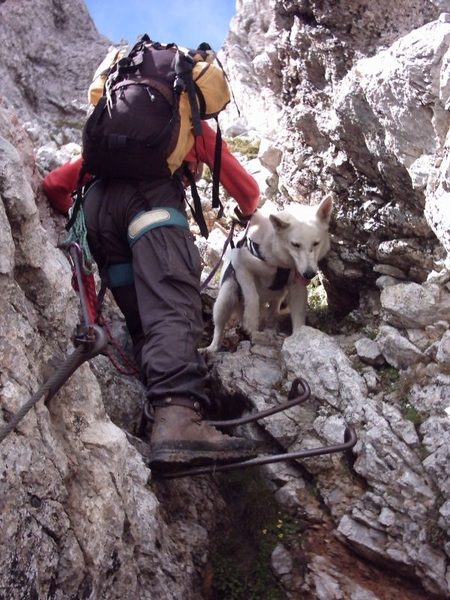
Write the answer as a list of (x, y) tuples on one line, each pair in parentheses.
[(78, 200)]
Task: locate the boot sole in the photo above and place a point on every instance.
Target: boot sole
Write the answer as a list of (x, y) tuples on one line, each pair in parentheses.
[(165, 458)]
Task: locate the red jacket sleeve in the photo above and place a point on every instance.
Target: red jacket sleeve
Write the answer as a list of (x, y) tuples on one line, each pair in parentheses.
[(234, 178), (59, 184)]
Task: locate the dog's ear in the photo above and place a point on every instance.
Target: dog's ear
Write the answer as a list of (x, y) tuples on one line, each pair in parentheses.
[(325, 208), (278, 222)]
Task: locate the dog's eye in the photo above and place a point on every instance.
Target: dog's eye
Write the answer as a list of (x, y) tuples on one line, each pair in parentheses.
[(316, 244), (296, 244)]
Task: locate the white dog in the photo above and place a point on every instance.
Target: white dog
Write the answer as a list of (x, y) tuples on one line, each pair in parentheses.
[(277, 259)]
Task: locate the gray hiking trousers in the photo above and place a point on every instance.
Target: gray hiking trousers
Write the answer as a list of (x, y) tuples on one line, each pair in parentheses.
[(161, 302)]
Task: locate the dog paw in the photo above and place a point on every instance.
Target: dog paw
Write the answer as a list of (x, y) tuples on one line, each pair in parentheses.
[(208, 350), (250, 326)]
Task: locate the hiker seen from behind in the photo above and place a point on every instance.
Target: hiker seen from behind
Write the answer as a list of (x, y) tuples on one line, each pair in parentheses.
[(151, 106)]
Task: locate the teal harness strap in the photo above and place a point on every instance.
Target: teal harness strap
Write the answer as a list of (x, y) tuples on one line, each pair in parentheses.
[(147, 220), (120, 275), (144, 221)]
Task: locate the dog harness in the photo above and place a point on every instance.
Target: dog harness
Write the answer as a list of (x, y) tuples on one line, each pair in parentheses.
[(282, 274)]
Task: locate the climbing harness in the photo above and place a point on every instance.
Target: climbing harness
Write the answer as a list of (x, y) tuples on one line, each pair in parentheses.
[(76, 245), (147, 220), (294, 398)]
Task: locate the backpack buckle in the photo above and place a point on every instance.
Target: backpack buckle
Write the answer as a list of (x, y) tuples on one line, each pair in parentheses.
[(179, 85)]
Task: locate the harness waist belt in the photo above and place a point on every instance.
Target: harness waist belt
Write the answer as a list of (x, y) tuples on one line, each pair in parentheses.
[(150, 219), (120, 275)]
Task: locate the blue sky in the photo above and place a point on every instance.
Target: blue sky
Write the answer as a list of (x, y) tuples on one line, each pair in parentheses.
[(185, 22)]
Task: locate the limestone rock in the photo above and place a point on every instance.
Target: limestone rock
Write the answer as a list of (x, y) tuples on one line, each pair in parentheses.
[(369, 352), (350, 98), (397, 350)]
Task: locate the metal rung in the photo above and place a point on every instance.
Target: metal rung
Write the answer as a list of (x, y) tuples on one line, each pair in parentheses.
[(350, 440), (293, 401)]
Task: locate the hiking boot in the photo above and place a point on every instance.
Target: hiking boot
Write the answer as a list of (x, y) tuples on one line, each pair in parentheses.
[(181, 437)]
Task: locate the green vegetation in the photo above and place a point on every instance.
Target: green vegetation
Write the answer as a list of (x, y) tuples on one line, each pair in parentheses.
[(248, 148), (389, 376), (241, 557), (207, 174), (322, 317), (410, 413), (319, 313), (317, 296)]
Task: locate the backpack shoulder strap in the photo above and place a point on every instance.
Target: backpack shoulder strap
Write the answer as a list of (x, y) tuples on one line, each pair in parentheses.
[(196, 210), (78, 199), (216, 203), (184, 81)]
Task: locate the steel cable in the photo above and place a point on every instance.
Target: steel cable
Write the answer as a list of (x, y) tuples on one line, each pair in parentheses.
[(80, 355)]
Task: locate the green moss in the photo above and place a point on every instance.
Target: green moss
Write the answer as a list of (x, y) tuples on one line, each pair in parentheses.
[(248, 148)]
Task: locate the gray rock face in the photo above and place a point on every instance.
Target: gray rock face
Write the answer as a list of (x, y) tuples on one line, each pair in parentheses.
[(369, 352), (346, 97), (48, 55), (352, 94), (390, 522)]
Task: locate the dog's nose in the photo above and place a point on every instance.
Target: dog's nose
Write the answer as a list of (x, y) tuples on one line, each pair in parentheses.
[(309, 274)]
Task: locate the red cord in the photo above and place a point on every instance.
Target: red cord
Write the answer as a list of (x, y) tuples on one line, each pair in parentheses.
[(92, 307), (91, 296), (134, 368)]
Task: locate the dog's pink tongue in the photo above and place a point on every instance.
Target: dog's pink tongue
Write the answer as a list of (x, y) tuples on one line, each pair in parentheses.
[(301, 279)]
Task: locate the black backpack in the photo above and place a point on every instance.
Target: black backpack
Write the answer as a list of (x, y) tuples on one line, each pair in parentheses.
[(135, 126)]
